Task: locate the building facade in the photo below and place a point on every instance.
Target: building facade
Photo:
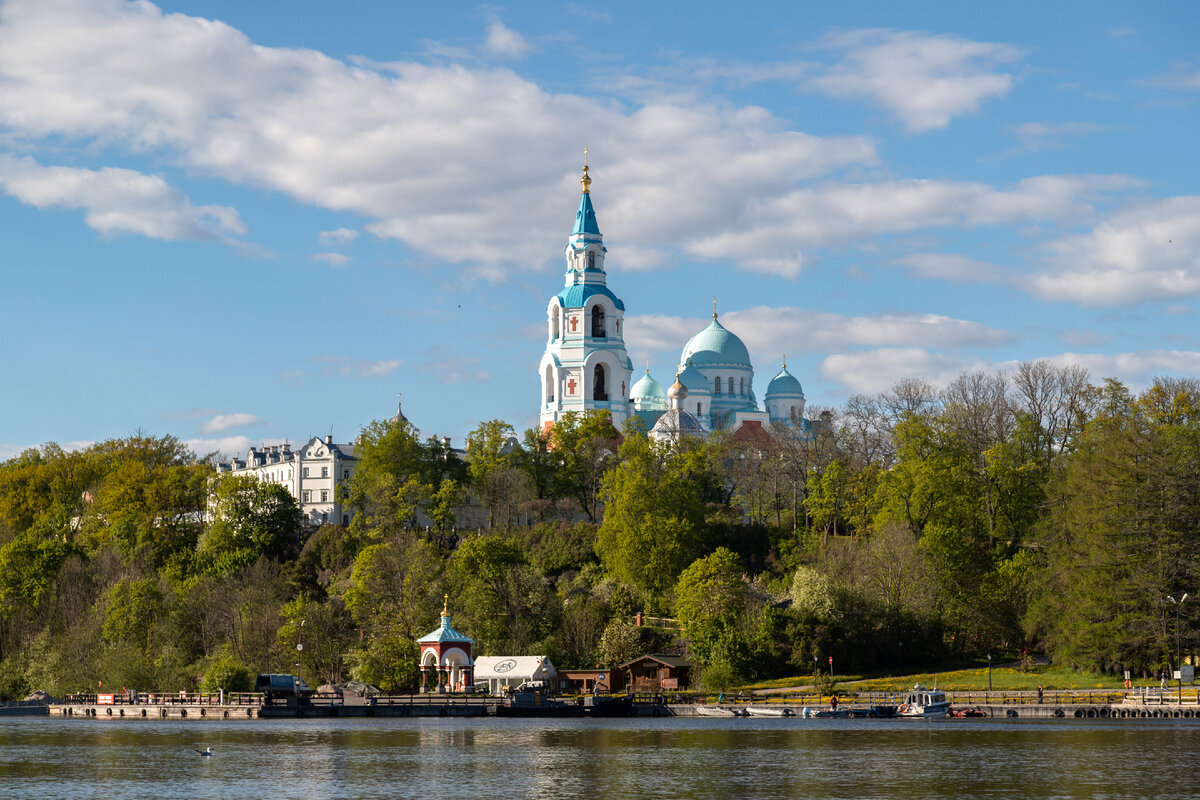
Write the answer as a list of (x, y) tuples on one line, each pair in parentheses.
[(313, 473)]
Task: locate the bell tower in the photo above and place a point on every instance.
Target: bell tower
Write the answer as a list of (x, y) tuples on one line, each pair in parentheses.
[(585, 365)]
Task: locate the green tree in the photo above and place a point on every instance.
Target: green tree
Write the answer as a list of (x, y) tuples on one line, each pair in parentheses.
[(653, 517), (254, 515), (709, 598)]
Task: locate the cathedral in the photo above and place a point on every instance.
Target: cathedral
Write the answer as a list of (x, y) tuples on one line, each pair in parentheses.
[(586, 367)]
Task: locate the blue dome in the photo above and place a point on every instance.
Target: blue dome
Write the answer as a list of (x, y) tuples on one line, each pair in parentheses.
[(784, 384), (694, 381), (717, 347), (647, 388)]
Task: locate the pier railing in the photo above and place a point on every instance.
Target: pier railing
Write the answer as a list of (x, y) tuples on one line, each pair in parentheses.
[(167, 698)]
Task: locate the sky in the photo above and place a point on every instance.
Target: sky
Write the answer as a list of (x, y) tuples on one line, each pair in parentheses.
[(244, 223)]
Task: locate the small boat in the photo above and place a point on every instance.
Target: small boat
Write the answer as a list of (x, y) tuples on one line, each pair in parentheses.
[(769, 711), (826, 713), (922, 702), (968, 712), (717, 711)]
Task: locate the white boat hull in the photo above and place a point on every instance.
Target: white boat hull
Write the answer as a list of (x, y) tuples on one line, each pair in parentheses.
[(716, 711), (769, 712)]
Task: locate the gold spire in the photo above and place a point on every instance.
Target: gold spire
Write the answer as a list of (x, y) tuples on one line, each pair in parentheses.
[(446, 605), (585, 181), (647, 366), (785, 360), (714, 308)]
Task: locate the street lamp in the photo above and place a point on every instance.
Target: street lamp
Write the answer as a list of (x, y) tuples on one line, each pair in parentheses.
[(1178, 662), (989, 672), (299, 645)]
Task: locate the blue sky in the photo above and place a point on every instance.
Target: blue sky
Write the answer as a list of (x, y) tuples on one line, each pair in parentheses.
[(255, 222)]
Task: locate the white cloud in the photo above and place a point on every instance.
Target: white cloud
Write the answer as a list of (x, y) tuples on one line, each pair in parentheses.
[(355, 367), (1182, 76), (924, 79), (772, 234), (431, 155), (1149, 252), (118, 201), (338, 237), (227, 447), (951, 267), (8, 451), (770, 332), (504, 41), (223, 422), (1043, 135), (871, 371), (332, 259), (1177, 310)]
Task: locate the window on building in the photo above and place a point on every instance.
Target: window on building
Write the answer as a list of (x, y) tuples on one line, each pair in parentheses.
[(591, 260), (554, 332), (306, 472), (345, 474), (549, 384), (716, 385), (731, 384), (345, 519), (742, 385), (598, 322), (324, 495), (308, 495), (324, 472), (599, 388), (699, 409)]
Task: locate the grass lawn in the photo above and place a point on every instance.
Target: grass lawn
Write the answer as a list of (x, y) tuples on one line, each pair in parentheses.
[(974, 679)]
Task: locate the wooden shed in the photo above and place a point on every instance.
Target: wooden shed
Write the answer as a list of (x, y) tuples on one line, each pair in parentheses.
[(587, 681), (657, 673)]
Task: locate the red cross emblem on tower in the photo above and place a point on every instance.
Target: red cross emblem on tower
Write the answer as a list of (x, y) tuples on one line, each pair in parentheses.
[(571, 386), (574, 322)]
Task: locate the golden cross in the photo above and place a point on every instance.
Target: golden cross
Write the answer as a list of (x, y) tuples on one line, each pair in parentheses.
[(585, 156), (714, 308)]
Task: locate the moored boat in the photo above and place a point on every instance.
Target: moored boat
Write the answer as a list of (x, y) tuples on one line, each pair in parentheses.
[(923, 702), (716, 711), (769, 711)]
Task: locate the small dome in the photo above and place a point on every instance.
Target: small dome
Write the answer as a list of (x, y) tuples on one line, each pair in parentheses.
[(715, 346), (694, 380), (784, 384), (646, 388), (676, 424), (677, 391)]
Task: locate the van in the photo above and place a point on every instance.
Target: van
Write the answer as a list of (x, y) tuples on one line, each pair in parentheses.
[(277, 687)]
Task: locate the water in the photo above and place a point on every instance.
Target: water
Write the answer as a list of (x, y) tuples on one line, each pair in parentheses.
[(599, 759)]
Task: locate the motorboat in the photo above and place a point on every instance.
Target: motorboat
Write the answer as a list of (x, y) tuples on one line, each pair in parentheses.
[(717, 711), (923, 702), (769, 711)]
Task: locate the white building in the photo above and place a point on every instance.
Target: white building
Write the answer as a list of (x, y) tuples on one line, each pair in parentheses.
[(313, 474)]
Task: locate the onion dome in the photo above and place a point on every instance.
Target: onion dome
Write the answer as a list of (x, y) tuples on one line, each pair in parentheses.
[(676, 424), (784, 384), (677, 391), (646, 388), (716, 347)]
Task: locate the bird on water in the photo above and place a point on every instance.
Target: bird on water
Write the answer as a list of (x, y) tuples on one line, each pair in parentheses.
[(205, 752)]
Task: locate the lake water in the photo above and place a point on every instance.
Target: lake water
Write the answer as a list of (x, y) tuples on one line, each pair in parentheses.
[(599, 759)]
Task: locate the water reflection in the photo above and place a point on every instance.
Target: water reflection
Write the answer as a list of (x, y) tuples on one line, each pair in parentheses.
[(598, 759)]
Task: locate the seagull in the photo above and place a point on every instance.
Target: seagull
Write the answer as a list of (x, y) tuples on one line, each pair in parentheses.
[(205, 752)]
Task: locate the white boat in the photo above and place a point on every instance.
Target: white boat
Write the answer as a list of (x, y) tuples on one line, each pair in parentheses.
[(922, 702), (769, 711), (716, 711)]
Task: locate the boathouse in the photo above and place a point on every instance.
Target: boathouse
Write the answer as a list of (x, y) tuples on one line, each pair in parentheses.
[(657, 673), (446, 658), (589, 681)]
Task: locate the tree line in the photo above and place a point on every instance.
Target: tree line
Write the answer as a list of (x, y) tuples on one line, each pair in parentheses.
[(1003, 513)]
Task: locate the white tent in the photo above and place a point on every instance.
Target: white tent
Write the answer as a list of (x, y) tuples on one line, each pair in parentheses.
[(498, 672)]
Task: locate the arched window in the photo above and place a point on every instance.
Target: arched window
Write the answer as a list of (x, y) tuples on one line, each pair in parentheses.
[(549, 384), (555, 313), (598, 321), (743, 385), (591, 260), (731, 384), (716, 385), (699, 409), (599, 390)]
